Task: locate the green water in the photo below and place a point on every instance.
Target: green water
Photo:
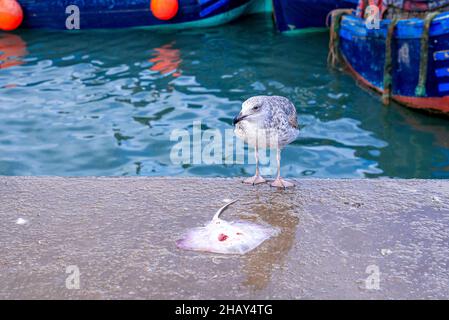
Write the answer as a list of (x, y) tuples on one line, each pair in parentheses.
[(105, 103)]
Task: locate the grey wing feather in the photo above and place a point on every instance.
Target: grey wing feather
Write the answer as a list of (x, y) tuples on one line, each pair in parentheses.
[(290, 109), (283, 113), (293, 120)]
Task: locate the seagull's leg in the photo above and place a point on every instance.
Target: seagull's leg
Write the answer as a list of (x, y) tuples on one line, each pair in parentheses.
[(279, 182), (257, 179)]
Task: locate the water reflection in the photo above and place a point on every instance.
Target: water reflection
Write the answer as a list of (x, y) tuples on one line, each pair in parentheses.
[(259, 264), (438, 162), (167, 60), (12, 50)]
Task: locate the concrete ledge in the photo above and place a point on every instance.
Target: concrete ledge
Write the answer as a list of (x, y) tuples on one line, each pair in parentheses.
[(120, 233)]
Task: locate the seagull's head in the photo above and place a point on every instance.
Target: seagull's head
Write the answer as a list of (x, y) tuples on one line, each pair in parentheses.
[(254, 110)]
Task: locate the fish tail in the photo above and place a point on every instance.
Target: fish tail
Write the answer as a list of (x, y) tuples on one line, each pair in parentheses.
[(217, 214)]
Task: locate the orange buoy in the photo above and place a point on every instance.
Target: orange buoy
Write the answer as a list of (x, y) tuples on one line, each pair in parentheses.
[(11, 15), (164, 9)]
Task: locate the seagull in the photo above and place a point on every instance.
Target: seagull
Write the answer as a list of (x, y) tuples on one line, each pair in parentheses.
[(267, 122)]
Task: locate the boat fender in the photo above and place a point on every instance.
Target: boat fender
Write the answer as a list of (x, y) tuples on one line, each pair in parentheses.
[(164, 9), (11, 15)]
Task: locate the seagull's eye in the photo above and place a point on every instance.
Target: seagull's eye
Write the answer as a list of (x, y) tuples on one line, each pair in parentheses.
[(255, 108)]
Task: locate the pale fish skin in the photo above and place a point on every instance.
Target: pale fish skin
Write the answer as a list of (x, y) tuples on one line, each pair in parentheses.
[(220, 236)]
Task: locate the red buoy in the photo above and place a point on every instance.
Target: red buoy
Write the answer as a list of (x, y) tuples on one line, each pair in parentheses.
[(164, 9), (11, 15)]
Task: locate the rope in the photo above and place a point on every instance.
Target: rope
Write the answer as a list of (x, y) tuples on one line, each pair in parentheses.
[(388, 66), (334, 58), (334, 40), (420, 89)]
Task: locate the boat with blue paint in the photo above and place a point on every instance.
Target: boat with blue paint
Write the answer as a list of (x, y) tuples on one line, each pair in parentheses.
[(51, 14), (306, 15), (418, 76)]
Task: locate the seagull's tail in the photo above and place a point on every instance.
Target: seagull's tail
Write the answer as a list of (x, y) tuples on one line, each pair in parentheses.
[(217, 214)]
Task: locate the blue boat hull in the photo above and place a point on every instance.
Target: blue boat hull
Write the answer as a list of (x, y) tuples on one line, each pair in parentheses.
[(364, 52), (302, 14), (51, 14)]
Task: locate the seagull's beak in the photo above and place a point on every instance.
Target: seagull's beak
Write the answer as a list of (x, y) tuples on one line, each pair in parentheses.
[(239, 118)]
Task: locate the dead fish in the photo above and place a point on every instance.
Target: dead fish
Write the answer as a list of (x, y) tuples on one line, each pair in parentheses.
[(219, 236)]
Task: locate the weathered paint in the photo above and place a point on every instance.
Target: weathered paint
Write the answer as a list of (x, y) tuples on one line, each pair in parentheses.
[(364, 51), (437, 105), (122, 14)]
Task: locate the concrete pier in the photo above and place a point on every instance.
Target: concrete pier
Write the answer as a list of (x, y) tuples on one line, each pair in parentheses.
[(362, 239)]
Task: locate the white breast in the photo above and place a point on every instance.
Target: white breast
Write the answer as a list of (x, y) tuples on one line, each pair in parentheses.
[(251, 134)]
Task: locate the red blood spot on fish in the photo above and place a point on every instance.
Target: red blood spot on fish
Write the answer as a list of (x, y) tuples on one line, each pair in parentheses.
[(222, 237)]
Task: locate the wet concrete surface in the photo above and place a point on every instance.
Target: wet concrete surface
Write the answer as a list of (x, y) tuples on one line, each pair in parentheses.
[(121, 232)]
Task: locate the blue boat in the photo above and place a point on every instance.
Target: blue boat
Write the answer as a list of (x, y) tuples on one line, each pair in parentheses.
[(418, 73), (306, 15), (51, 14)]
